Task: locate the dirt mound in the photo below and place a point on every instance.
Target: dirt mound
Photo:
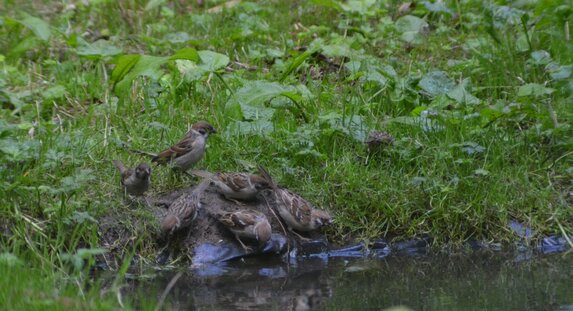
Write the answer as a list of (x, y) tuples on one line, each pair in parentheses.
[(206, 239)]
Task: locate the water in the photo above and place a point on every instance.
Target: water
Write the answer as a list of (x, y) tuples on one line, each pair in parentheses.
[(482, 280)]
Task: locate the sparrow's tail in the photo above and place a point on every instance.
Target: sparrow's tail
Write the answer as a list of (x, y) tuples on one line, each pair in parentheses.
[(141, 152), (202, 186), (268, 177), (120, 167), (204, 174), (145, 153)]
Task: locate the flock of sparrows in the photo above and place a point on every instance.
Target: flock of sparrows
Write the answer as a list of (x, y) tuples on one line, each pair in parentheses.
[(296, 212)]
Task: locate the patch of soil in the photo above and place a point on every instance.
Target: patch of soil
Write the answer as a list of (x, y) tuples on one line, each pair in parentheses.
[(118, 231)]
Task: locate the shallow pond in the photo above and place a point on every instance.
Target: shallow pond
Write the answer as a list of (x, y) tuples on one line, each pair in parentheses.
[(481, 280)]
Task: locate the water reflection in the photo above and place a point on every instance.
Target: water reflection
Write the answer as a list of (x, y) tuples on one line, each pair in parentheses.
[(478, 281)]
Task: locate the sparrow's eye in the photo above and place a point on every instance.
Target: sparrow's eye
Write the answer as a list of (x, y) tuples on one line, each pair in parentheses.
[(202, 131)]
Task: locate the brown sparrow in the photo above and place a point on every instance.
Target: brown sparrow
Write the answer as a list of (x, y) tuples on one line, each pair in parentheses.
[(376, 139), (247, 224), (298, 213), (183, 210), (189, 150), (134, 182), (240, 186)]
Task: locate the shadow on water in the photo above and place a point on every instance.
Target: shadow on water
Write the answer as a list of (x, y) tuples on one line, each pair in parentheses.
[(480, 280)]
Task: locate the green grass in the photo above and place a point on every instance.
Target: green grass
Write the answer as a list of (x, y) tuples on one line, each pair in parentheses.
[(498, 148)]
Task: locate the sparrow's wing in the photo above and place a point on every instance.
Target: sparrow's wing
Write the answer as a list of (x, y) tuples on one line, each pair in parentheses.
[(238, 220), (184, 146), (235, 181), (296, 205), (185, 207)]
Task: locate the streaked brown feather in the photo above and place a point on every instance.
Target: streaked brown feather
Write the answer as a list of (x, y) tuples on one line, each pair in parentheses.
[(180, 148)]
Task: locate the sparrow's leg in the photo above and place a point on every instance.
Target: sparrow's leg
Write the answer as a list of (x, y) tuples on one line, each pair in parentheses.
[(246, 248), (298, 235)]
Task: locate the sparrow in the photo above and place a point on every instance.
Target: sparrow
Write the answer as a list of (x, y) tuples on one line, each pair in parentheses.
[(239, 186), (297, 213), (183, 210), (376, 139), (247, 224), (189, 150), (134, 182)]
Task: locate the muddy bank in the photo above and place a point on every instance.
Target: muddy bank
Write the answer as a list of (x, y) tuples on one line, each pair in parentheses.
[(207, 241)]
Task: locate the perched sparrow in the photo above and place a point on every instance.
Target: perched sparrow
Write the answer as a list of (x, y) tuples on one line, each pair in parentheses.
[(183, 210), (298, 213), (376, 139), (189, 150), (247, 224), (240, 186), (135, 182)]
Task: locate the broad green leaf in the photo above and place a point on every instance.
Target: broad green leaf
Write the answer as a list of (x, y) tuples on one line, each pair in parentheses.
[(186, 53), (257, 127), (190, 70), (558, 72), (362, 7), (534, 89), (25, 45), (461, 95), (212, 61), (540, 57), (100, 48), (123, 65), (248, 103), (39, 27), (256, 112), (178, 37), (411, 28), (146, 66), (521, 44), (296, 62), (337, 50), (490, 114), (437, 7), (374, 76), (352, 126), (436, 83), (252, 96)]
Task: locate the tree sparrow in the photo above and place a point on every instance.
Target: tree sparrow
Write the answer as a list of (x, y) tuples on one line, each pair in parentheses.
[(134, 182), (189, 150), (298, 213), (247, 224), (183, 210), (240, 186), (376, 139)]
